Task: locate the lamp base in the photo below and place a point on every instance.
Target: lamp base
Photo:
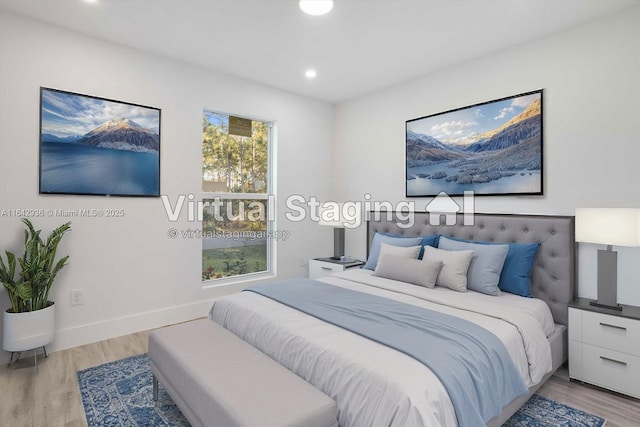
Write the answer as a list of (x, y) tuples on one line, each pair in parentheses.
[(338, 242), (617, 307), (607, 280)]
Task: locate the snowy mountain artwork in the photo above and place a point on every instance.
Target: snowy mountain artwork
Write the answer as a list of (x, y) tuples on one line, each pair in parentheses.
[(490, 148), (97, 146)]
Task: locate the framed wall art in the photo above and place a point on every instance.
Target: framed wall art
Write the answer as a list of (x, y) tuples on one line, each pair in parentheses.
[(492, 148), (98, 146)]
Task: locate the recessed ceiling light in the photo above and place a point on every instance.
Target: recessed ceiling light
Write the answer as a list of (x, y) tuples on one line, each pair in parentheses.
[(310, 74), (316, 7), (91, 1)]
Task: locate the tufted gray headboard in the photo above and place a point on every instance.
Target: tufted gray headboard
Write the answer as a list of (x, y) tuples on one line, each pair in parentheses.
[(553, 278)]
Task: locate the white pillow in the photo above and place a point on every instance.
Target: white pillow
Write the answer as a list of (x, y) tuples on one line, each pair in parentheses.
[(455, 264), (485, 268), (408, 252), (421, 272)]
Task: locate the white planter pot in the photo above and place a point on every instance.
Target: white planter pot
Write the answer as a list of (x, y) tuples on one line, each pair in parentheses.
[(26, 331)]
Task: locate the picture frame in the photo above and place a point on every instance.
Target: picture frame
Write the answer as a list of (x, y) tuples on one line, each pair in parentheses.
[(97, 146), (491, 148)]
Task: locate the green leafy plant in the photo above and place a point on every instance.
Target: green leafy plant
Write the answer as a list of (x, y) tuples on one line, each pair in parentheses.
[(29, 291)]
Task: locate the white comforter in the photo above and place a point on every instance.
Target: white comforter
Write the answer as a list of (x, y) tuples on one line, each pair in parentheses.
[(372, 384)]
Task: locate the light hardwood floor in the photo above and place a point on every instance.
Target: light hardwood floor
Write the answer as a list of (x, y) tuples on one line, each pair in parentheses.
[(48, 394)]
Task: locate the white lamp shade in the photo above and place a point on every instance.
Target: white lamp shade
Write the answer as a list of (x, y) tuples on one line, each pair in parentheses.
[(342, 215), (608, 226)]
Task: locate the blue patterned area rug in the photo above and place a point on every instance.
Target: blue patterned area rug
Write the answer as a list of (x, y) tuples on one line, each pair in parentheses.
[(539, 411), (120, 394)]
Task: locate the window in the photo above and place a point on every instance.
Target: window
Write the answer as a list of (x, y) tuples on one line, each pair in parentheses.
[(236, 204)]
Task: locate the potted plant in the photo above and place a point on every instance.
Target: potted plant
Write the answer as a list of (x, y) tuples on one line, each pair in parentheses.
[(29, 322)]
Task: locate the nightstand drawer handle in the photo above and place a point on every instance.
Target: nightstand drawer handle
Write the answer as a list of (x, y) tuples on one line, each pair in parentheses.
[(613, 326), (614, 360), (327, 268)]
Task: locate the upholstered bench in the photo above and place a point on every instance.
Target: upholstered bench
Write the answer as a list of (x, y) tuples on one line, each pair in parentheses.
[(217, 379)]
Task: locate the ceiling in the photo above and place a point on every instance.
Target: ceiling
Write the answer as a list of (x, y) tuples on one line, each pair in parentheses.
[(359, 47)]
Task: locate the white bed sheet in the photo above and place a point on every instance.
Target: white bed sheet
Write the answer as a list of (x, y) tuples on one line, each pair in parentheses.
[(372, 384), (535, 307)]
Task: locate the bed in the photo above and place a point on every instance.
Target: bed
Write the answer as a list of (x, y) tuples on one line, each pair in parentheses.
[(374, 384)]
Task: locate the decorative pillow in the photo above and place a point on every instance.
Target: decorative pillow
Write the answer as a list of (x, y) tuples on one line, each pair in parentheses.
[(455, 264), (516, 273), (428, 241), (410, 252), (515, 277), (484, 272), (414, 271), (395, 240)]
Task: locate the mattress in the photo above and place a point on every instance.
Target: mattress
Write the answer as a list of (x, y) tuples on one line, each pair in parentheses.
[(372, 384)]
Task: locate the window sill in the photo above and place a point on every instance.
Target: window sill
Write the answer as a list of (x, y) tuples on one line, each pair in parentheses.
[(245, 278)]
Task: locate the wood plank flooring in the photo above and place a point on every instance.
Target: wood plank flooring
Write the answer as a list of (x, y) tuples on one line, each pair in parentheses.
[(47, 395), (617, 409)]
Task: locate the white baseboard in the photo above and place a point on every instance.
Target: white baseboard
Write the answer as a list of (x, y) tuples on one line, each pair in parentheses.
[(112, 328)]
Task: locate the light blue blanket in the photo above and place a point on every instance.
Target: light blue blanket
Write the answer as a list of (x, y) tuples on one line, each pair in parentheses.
[(471, 362)]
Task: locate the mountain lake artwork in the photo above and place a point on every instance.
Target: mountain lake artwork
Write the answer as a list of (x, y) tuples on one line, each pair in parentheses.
[(97, 146), (490, 148)]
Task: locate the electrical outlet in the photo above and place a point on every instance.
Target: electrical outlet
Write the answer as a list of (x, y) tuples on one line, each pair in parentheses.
[(77, 296)]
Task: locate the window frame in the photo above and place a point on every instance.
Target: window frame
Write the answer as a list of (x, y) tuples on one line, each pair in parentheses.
[(269, 197)]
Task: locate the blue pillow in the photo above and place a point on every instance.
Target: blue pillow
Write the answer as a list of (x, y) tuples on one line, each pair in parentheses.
[(428, 241), (396, 240), (516, 271), (486, 265)]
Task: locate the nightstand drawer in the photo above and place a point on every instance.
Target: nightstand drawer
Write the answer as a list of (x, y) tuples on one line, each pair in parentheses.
[(611, 369), (321, 267), (611, 332), (318, 269)]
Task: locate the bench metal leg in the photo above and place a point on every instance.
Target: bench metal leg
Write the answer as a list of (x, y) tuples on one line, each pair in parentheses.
[(155, 388)]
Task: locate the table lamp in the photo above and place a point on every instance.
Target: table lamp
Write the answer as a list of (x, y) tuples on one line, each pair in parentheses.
[(331, 216), (611, 227)]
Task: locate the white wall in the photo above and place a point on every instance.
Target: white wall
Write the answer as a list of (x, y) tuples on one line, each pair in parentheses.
[(591, 149), (134, 276)]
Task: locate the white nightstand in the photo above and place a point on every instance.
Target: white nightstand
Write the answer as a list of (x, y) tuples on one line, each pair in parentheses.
[(604, 346), (320, 267)]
